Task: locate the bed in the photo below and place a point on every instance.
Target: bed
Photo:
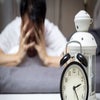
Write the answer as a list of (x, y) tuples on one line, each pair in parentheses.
[(29, 77)]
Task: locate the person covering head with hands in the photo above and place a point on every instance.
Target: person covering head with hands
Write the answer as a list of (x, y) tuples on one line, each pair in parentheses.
[(36, 35)]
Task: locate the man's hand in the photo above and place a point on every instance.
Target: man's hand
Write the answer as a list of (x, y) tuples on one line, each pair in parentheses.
[(40, 46), (40, 43), (23, 47)]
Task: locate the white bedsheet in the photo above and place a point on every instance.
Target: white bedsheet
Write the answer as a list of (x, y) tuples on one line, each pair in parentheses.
[(35, 97)]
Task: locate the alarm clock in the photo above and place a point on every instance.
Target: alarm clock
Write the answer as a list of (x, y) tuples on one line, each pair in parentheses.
[(74, 80)]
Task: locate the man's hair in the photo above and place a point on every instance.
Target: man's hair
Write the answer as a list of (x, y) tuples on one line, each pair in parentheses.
[(35, 9)]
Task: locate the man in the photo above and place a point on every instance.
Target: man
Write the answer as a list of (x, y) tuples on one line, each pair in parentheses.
[(37, 36)]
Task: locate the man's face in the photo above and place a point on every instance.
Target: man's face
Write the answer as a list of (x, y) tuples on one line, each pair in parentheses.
[(25, 20)]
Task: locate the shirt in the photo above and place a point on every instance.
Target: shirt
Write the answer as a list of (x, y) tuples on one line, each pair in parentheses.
[(10, 37)]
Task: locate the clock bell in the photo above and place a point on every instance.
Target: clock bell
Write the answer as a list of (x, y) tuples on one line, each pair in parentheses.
[(82, 23)]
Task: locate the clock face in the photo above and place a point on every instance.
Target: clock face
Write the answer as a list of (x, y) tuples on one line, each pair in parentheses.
[(74, 82)]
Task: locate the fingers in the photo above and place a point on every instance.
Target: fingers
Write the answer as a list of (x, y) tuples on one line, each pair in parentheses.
[(27, 35), (41, 35), (34, 30), (30, 45), (24, 29), (38, 34)]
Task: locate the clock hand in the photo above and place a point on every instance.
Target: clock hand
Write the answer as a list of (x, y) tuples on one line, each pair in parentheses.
[(74, 88), (77, 86), (76, 94)]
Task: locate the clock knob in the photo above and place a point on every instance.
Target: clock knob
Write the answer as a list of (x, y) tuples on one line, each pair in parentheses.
[(82, 59), (64, 59)]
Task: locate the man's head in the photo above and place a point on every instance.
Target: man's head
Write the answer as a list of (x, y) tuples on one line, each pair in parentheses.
[(35, 9), (32, 12)]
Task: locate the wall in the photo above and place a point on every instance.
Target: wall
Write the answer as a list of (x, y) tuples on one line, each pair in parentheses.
[(5, 14), (69, 8), (61, 12), (8, 11), (66, 10)]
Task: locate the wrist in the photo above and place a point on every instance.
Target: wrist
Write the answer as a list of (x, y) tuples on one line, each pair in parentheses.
[(46, 60), (17, 59), (52, 61)]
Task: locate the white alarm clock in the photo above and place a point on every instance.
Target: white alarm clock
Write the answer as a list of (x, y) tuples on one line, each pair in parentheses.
[(74, 81)]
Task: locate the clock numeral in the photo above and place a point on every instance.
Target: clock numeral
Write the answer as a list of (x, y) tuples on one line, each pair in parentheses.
[(74, 70), (84, 87), (78, 73), (66, 79), (82, 79), (65, 98), (69, 73), (63, 88), (82, 97)]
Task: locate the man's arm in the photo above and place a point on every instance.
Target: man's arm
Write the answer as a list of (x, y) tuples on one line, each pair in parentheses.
[(52, 61), (9, 59), (15, 59)]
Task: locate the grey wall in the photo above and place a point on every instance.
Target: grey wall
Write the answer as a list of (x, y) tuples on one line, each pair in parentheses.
[(69, 8), (61, 12), (8, 11), (5, 12)]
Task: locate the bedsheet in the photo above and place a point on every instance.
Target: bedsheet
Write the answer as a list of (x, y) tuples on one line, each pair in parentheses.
[(30, 77)]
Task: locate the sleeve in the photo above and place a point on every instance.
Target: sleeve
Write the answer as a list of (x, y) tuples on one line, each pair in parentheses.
[(9, 36), (55, 40)]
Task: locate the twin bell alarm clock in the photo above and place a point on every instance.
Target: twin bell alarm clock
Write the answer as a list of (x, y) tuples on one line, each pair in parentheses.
[(78, 81)]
